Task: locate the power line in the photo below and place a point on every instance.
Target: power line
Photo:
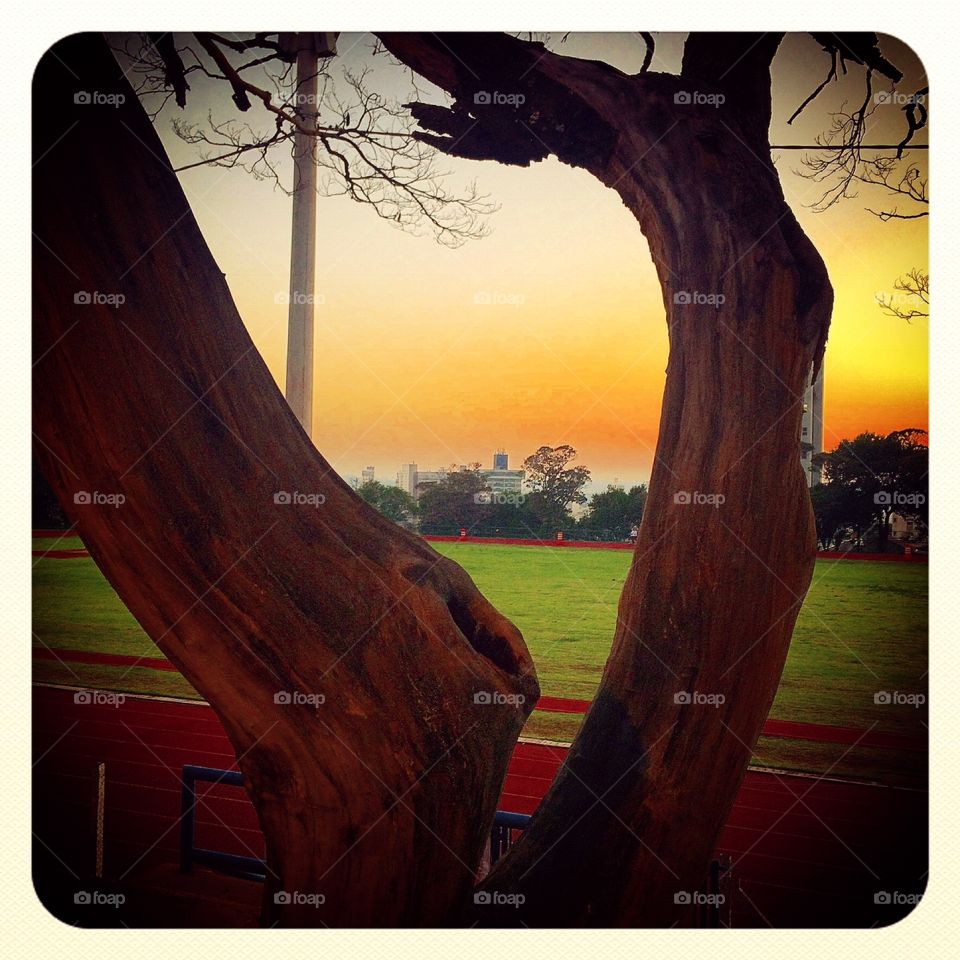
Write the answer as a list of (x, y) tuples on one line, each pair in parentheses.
[(866, 146)]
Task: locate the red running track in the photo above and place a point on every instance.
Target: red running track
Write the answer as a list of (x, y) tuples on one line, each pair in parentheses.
[(805, 851)]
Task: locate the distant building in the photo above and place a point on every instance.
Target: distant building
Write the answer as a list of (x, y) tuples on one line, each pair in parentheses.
[(407, 478), (501, 479), (366, 475), (427, 478), (811, 429)]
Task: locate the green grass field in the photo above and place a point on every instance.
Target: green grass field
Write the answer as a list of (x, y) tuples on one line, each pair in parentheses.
[(862, 629)]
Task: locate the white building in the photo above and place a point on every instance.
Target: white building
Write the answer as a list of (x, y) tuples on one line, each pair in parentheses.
[(407, 478), (366, 475), (811, 428), (501, 479), (425, 478)]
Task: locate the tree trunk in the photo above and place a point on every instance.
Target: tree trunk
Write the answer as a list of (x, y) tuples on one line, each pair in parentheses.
[(722, 563), (268, 582), (727, 543)]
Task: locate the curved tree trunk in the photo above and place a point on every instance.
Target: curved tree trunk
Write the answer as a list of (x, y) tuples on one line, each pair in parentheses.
[(726, 547), (379, 798)]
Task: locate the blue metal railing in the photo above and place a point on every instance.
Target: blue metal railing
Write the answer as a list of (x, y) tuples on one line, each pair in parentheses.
[(505, 824), (253, 868), (501, 836)]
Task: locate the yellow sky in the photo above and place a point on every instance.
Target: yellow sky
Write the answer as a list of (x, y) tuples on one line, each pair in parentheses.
[(410, 368)]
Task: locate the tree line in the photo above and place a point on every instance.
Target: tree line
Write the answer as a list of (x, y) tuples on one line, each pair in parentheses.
[(865, 482), (463, 500)]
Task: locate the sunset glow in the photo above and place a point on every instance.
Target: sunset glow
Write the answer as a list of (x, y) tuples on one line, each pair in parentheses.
[(572, 346)]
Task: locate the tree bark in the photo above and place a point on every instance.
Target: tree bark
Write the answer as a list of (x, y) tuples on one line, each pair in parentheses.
[(168, 443), (727, 543)]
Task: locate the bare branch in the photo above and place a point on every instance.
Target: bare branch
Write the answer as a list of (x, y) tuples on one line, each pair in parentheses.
[(370, 151), (910, 297), (648, 56), (174, 71), (911, 186), (839, 162)]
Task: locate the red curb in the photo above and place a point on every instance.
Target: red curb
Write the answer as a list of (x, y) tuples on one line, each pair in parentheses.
[(61, 554), (617, 545), (105, 659), (576, 544)]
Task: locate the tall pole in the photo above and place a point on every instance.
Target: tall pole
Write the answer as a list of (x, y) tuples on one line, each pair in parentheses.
[(303, 245)]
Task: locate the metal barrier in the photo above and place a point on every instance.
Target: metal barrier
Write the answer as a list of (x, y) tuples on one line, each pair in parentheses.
[(715, 909), (501, 836), (708, 913), (252, 868)]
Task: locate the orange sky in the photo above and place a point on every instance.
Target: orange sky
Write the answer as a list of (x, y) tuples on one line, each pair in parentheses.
[(410, 368)]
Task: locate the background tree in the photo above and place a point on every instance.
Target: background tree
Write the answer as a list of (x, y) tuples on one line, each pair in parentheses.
[(395, 504), (614, 513), (453, 502), (876, 477), (554, 485), (837, 510), (507, 515)]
